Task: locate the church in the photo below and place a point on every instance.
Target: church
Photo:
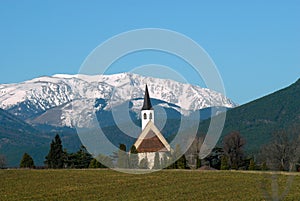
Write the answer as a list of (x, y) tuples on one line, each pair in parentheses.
[(150, 140)]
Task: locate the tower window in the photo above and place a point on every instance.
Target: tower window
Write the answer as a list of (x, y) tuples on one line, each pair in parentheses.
[(145, 116), (150, 116)]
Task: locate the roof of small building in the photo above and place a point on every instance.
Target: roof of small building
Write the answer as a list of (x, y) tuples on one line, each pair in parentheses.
[(151, 140), (151, 143)]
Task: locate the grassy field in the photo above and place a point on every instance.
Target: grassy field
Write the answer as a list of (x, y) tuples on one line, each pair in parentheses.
[(164, 185)]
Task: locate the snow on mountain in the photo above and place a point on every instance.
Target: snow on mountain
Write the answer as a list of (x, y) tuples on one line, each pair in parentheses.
[(57, 94)]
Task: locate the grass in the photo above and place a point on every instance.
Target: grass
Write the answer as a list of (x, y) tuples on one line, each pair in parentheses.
[(163, 185)]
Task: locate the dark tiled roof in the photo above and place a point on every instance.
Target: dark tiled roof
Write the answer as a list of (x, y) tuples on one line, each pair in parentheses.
[(147, 102), (151, 143)]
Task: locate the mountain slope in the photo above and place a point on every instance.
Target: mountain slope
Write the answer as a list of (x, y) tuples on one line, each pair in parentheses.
[(258, 119), (15, 131), (62, 93), (17, 137)]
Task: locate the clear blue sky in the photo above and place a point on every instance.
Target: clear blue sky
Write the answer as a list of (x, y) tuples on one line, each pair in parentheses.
[(255, 44)]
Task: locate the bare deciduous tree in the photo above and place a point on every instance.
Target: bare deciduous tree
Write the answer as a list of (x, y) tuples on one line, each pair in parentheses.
[(282, 153), (192, 154), (233, 148)]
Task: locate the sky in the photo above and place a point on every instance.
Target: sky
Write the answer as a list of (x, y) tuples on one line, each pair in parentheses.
[(254, 44)]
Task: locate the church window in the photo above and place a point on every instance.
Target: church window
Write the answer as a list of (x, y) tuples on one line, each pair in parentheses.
[(145, 116), (150, 116)]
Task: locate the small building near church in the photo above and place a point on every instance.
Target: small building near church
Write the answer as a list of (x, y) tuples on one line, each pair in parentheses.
[(150, 140)]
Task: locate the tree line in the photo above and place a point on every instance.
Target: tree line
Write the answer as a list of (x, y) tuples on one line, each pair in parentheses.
[(58, 158), (281, 153)]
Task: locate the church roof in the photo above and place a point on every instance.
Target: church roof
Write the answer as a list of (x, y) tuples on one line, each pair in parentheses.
[(147, 102), (151, 140), (151, 143)]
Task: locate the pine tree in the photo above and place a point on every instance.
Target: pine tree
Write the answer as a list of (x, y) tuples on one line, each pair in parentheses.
[(224, 163), (2, 161), (26, 161), (99, 162), (176, 158), (144, 163), (157, 163), (264, 166), (198, 162), (133, 158), (105, 161), (94, 163), (55, 157), (164, 161), (181, 162), (177, 153), (82, 158), (251, 165), (122, 157)]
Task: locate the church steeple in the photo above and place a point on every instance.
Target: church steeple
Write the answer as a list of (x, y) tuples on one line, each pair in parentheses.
[(147, 113), (147, 102)]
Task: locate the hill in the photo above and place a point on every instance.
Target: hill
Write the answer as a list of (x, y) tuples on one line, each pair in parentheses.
[(259, 119), (17, 137)]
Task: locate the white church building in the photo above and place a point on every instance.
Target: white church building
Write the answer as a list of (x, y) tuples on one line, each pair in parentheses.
[(150, 140)]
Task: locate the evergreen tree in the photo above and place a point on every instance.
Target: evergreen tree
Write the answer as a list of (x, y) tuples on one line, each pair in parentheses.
[(181, 163), (264, 166), (164, 161), (55, 157), (252, 164), (26, 161), (122, 157), (105, 161), (156, 161), (176, 158), (101, 161), (70, 159), (144, 163), (82, 158), (224, 163), (94, 163), (177, 153), (2, 161), (198, 162), (133, 158)]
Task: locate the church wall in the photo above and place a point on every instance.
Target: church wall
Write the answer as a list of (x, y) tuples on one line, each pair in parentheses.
[(150, 156), (149, 117)]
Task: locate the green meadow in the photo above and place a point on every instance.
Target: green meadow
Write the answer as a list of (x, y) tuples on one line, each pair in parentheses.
[(103, 184)]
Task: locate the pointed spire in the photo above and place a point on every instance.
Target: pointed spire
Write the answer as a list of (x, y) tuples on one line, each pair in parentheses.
[(147, 103)]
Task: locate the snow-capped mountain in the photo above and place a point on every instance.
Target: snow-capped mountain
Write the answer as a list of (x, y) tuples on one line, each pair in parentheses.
[(62, 99)]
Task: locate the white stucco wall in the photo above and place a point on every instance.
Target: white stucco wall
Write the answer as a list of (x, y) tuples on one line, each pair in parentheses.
[(145, 121), (150, 157)]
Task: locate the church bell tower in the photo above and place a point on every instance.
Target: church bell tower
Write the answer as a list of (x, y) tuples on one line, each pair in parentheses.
[(147, 113)]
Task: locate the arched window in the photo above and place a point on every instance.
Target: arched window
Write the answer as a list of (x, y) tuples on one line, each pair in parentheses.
[(145, 116), (150, 116)]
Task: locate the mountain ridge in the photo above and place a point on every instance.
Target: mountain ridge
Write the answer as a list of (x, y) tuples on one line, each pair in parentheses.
[(32, 98)]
